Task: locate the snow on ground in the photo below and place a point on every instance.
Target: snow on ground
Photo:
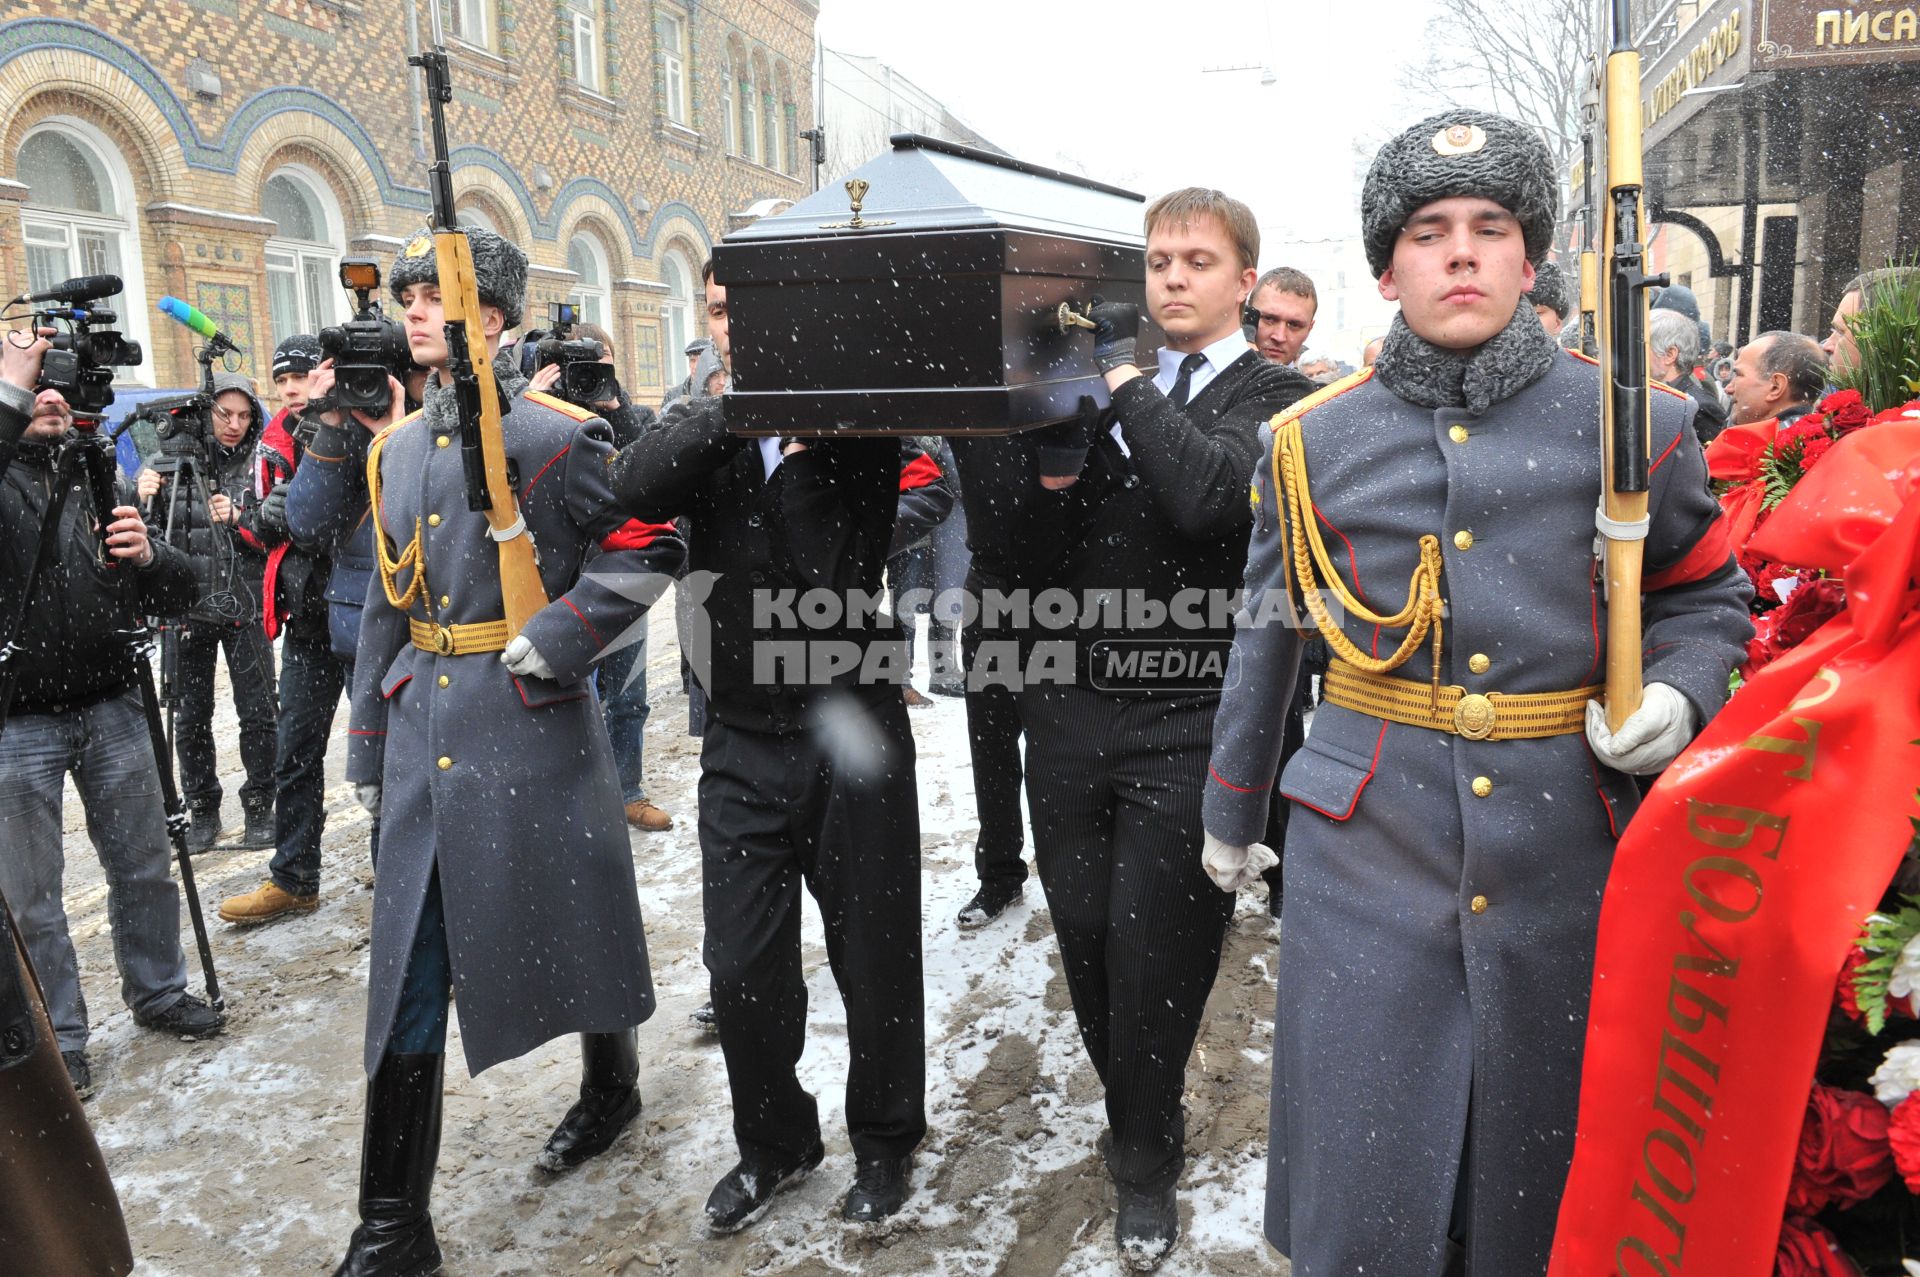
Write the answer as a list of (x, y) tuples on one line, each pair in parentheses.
[(240, 1156)]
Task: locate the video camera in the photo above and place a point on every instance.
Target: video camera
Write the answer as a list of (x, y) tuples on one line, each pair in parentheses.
[(584, 380), (365, 350), (82, 359)]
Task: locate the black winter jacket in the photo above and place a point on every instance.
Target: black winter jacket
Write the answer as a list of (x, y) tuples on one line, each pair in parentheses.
[(71, 649)]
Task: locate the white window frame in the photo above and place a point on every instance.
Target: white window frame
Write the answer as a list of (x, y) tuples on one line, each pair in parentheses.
[(730, 88), (749, 94), (592, 303), (589, 58), (473, 23), (677, 311), (309, 262), (673, 64), (70, 224)]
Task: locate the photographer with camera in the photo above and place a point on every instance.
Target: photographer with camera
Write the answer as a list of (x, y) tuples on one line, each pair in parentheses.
[(293, 609), (76, 708), (230, 562), (563, 362)]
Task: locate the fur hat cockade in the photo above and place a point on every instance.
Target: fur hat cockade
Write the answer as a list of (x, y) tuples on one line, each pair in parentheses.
[(498, 265), (1459, 153)]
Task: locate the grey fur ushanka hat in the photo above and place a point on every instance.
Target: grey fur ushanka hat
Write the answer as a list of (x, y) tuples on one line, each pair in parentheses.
[(1459, 153), (498, 265)]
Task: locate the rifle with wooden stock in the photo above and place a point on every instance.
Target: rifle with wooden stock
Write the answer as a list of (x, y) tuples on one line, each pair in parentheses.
[(479, 403), (1625, 421)]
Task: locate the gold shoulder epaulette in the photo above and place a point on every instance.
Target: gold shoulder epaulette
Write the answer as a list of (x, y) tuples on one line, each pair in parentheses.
[(1661, 385), (560, 405), (1584, 357), (1333, 390)]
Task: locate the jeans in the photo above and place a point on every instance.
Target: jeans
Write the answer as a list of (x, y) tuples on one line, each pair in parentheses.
[(106, 748), (250, 670), (310, 684), (623, 703)]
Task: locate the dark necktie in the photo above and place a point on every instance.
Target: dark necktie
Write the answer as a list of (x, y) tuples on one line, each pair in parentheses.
[(1183, 384)]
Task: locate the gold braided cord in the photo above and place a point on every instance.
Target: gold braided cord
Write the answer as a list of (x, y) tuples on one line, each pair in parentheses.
[(414, 557), (1420, 615)]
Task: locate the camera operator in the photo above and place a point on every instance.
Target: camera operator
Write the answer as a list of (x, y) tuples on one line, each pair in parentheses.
[(622, 673), (293, 605), (231, 563), (76, 709)]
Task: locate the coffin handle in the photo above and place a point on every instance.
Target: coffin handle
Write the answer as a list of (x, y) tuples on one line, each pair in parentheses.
[(1069, 319)]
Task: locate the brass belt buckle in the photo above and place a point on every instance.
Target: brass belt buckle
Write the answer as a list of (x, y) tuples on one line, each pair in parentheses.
[(1473, 716), (443, 640)]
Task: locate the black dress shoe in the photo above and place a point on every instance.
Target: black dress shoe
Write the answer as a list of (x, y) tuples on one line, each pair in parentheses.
[(1146, 1227), (988, 903), (79, 1072), (880, 1188), (744, 1193), (609, 1101), (703, 1018)]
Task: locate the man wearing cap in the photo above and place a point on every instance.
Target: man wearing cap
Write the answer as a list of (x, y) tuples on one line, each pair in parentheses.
[(1552, 297), (293, 601), (1445, 861), (504, 863)]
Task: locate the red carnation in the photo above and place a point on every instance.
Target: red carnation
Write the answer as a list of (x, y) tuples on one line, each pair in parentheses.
[(1846, 410), (1843, 1157), (1817, 447), (1808, 1250), (1810, 606), (1903, 1136), (1810, 427)]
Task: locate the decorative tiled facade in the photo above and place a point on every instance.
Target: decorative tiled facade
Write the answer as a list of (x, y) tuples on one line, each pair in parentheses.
[(196, 104)]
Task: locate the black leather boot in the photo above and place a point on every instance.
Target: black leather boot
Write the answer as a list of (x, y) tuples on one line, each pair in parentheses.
[(609, 1100), (397, 1157), (259, 831)]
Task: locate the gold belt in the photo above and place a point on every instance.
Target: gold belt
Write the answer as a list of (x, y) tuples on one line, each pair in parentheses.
[(1492, 716), (458, 640)]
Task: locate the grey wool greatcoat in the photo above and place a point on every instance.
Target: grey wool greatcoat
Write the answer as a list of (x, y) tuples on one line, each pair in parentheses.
[(505, 782), (1436, 948)]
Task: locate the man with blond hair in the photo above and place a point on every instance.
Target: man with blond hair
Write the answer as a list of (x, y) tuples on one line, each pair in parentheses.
[(1151, 505)]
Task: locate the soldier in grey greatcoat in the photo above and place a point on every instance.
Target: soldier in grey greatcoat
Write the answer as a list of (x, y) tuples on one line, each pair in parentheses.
[(1445, 866), (505, 870)]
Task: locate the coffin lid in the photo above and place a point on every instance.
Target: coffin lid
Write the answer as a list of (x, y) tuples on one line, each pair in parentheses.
[(923, 183)]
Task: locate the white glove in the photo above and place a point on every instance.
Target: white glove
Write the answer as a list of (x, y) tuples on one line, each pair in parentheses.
[(1652, 736), (1232, 868), (523, 658), (369, 796)]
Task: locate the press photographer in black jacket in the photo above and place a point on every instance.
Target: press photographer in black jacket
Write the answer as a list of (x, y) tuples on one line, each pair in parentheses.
[(75, 709)]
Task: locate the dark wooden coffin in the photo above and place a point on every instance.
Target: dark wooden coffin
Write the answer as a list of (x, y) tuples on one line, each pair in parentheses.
[(936, 310)]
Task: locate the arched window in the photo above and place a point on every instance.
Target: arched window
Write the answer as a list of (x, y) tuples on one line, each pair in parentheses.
[(677, 311), (303, 257), (475, 214), (736, 66), (770, 147), (749, 111), (591, 295), (76, 219)]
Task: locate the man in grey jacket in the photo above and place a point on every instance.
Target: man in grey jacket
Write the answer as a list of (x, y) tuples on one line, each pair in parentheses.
[(1459, 797)]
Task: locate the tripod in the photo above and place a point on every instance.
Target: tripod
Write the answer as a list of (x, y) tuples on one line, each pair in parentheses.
[(87, 457)]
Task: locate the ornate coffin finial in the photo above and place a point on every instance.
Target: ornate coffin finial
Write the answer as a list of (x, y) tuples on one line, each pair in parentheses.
[(857, 189)]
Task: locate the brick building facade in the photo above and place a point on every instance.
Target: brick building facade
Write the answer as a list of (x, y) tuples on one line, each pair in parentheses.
[(230, 152)]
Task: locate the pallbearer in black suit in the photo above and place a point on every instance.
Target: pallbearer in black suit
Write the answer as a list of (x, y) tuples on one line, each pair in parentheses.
[(1117, 757)]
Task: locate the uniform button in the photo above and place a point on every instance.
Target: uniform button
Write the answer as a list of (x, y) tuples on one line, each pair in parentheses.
[(1479, 663), (1457, 433), (433, 521), (1463, 540), (1478, 904), (1482, 786), (753, 520), (443, 680), (445, 601), (446, 764), (441, 441)]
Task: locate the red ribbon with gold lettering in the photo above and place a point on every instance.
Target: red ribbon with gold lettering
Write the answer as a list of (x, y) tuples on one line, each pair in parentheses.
[(1735, 895)]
